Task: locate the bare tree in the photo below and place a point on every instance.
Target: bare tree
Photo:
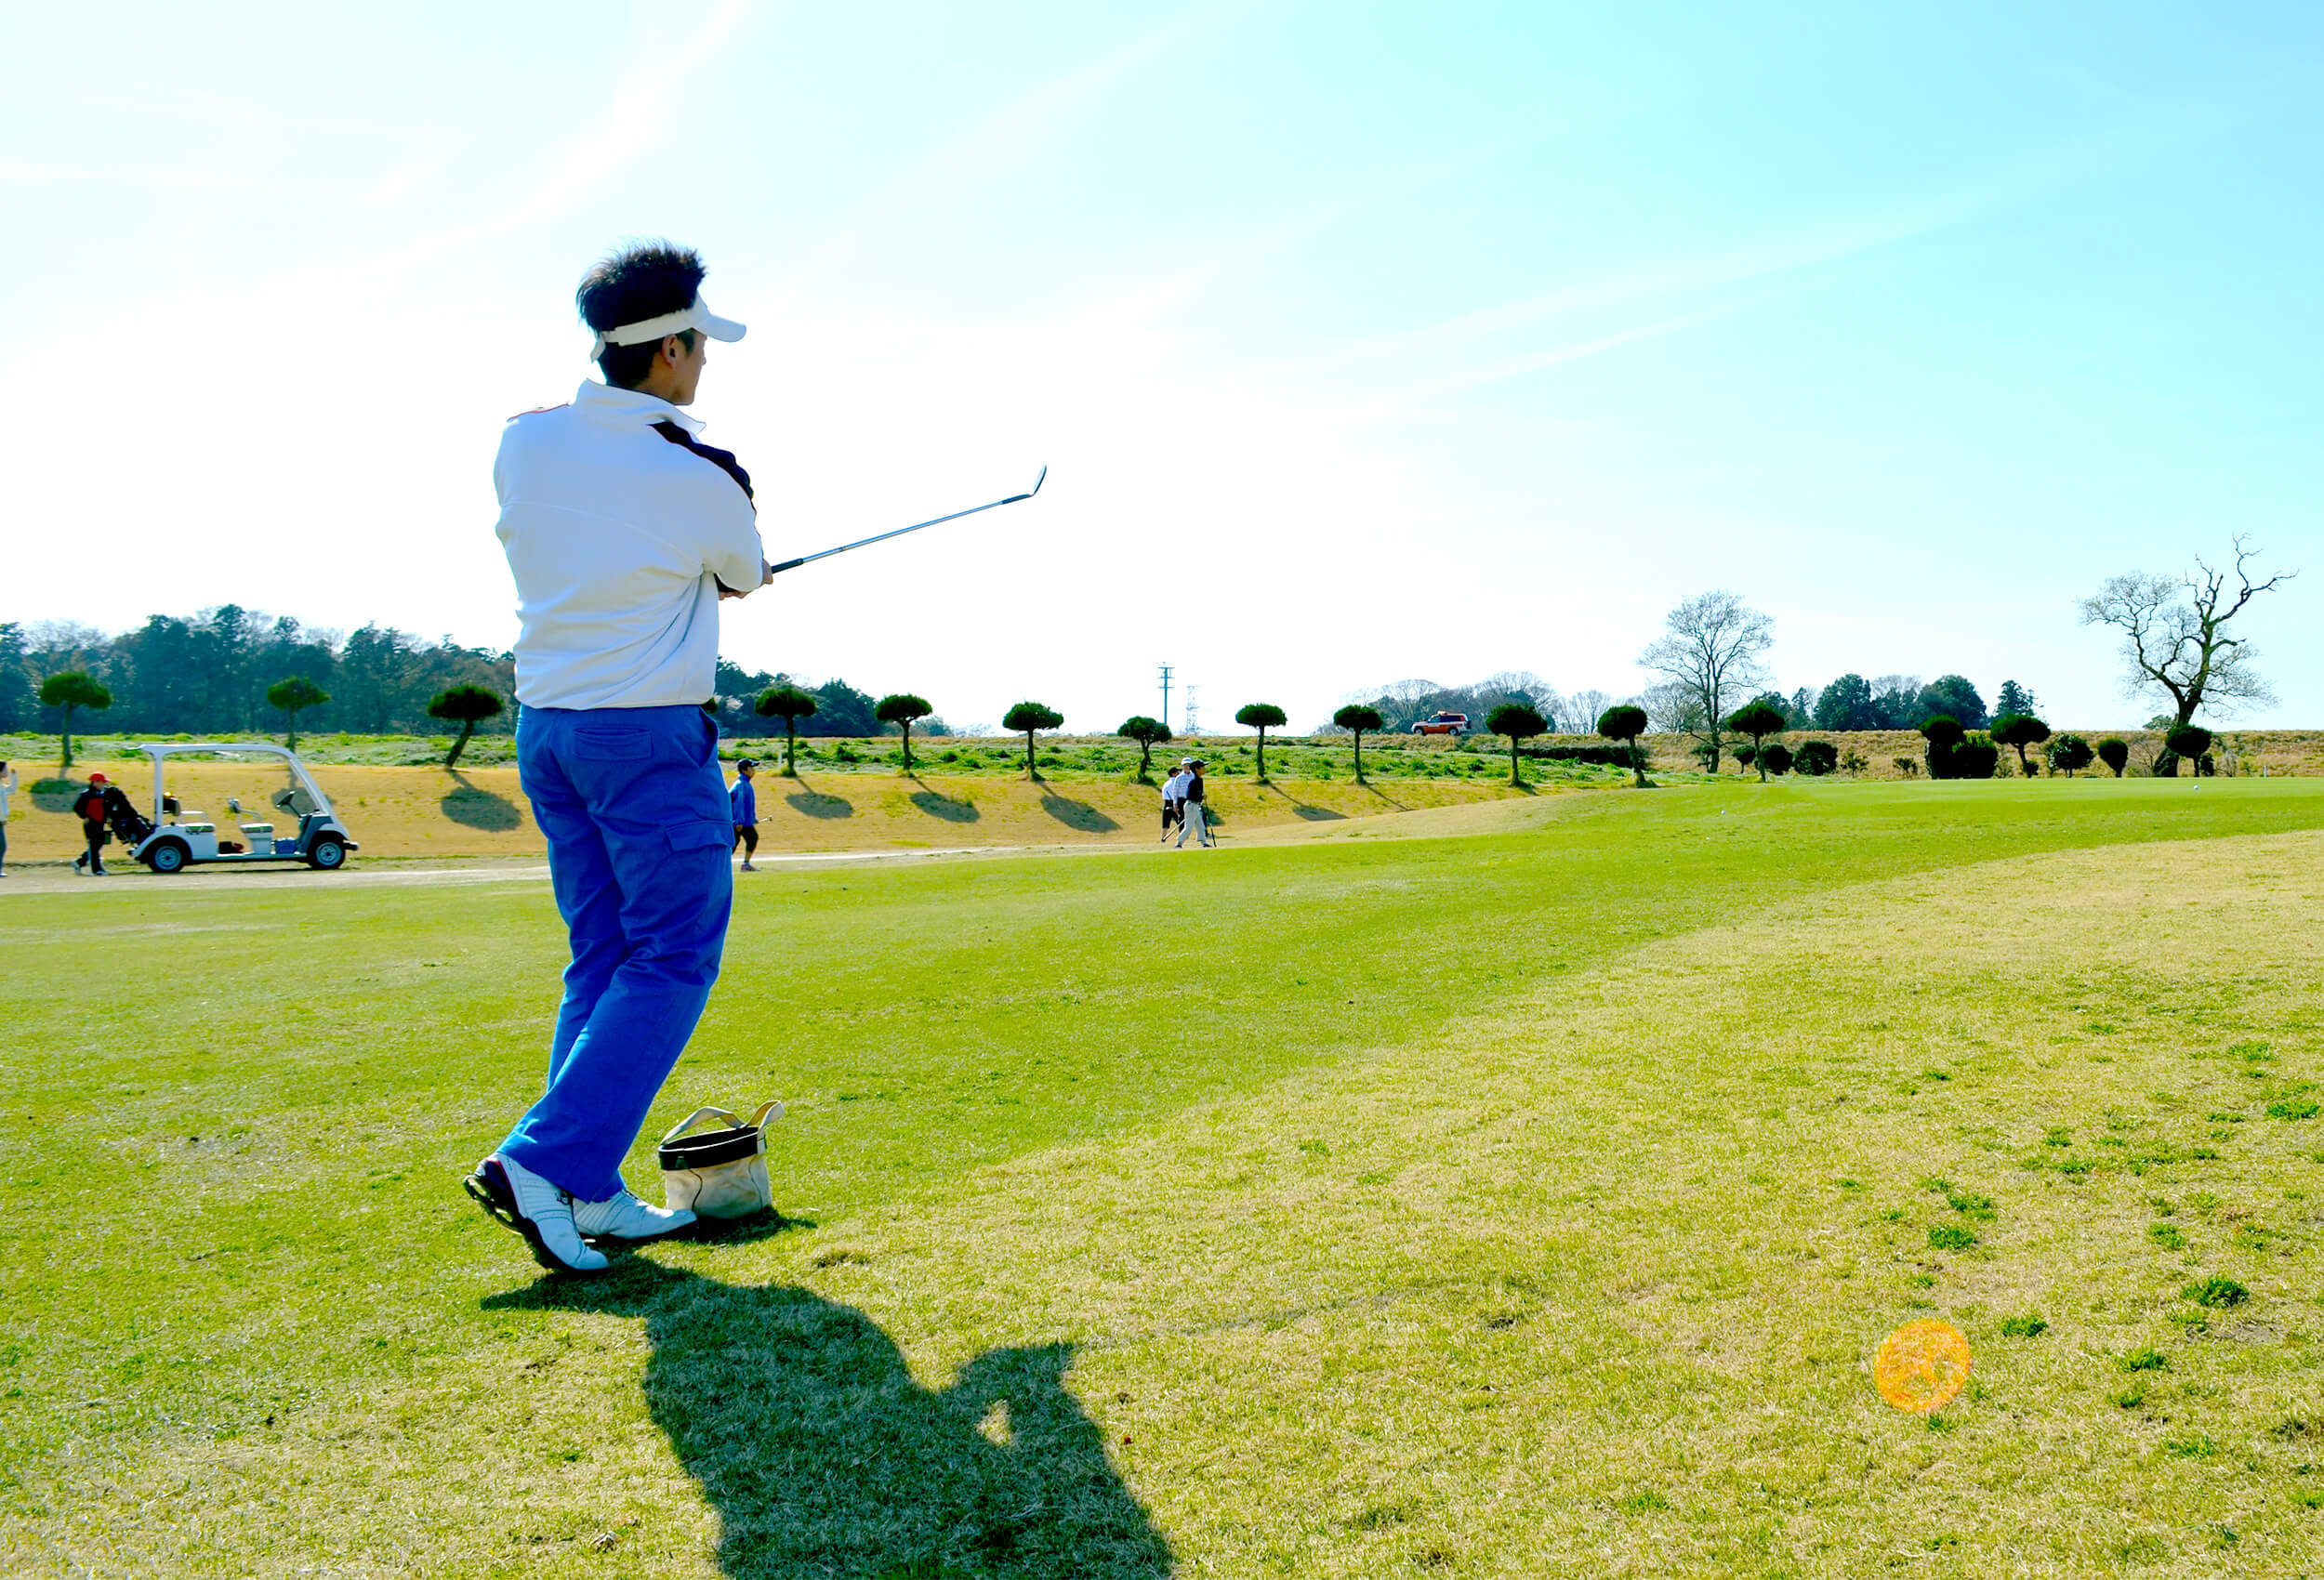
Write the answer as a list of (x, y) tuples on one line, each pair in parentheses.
[(1583, 710), (2174, 640), (1710, 658)]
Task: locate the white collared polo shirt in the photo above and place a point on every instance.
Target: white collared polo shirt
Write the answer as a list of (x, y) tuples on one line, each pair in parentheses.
[(619, 529)]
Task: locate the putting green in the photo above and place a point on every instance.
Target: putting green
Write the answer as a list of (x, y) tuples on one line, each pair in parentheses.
[(1524, 1202)]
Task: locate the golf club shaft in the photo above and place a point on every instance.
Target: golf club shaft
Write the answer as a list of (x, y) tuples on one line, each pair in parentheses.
[(881, 538)]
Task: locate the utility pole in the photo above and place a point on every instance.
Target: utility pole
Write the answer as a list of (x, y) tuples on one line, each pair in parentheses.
[(1194, 715), (1165, 696)]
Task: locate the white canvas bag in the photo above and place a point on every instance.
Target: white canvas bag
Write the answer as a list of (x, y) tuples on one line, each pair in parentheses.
[(720, 1173)]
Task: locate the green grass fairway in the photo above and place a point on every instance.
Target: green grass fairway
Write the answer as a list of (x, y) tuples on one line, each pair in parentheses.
[(1527, 1203)]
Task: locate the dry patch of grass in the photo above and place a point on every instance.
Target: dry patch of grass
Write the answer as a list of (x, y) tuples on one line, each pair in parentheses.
[(1594, 1287), (431, 812)]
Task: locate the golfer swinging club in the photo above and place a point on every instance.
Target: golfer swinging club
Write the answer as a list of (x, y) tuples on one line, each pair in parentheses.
[(623, 533)]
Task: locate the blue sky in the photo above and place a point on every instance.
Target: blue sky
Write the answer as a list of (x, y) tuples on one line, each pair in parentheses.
[(1363, 342)]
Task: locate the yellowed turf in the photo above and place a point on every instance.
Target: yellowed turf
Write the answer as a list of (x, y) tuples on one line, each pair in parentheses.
[(431, 812)]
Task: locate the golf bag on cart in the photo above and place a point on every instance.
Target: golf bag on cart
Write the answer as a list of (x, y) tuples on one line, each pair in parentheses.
[(128, 824)]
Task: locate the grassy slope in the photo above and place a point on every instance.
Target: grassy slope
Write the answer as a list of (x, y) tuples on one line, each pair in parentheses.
[(1450, 1187), (428, 813)]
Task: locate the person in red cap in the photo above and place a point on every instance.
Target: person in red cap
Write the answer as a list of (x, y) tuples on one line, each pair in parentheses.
[(89, 806)]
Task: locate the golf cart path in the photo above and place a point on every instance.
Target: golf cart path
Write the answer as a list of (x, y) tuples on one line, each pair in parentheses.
[(50, 877), (53, 877)]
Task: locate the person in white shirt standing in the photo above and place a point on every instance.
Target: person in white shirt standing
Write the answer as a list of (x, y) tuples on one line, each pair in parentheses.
[(1174, 798), (623, 532)]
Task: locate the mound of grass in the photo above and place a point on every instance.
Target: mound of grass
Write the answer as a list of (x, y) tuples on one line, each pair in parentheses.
[(2216, 1291)]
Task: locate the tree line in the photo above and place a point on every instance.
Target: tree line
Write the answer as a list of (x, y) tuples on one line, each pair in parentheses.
[(236, 671), (230, 670), (211, 674)]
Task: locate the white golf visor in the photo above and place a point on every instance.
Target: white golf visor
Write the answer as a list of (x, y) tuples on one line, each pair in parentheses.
[(697, 316)]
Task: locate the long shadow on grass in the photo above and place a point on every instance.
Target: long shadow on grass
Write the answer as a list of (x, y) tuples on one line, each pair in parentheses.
[(816, 804), (472, 806), (1076, 814), (1304, 810), (938, 805), (823, 1455)]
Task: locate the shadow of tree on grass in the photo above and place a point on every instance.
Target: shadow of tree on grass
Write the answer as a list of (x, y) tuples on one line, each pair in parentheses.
[(1076, 814), (822, 1456), (472, 806), (815, 804), (1304, 810), (944, 806)]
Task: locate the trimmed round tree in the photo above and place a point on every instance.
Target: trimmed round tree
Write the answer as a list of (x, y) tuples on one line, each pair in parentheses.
[(903, 707), (2069, 755), (1025, 718), (2115, 753), (68, 690), (1816, 758), (1774, 758), (290, 696), (1517, 721), (1758, 720), (2020, 730), (2189, 741), (1149, 733), (1626, 723), (789, 704), (466, 707), (1262, 716), (1943, 733), (1356, 718)]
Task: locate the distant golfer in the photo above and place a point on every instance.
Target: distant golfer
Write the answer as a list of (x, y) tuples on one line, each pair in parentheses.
[(90, 806), (1174, 798), (623, 532), (7, 789), (1192, 819), (743, 800)]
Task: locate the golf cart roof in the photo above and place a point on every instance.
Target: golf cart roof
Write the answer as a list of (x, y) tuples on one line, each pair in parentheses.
[(162, 749)]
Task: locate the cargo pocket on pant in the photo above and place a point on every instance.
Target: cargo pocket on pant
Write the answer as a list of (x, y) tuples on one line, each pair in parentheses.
[(695, 834)]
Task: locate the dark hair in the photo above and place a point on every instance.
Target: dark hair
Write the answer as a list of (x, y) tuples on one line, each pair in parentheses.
[(644, 280)]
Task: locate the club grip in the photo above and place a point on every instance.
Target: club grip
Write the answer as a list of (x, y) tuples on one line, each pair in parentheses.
[(786, 565)]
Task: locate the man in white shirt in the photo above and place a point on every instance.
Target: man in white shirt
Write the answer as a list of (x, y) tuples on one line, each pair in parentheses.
[(623, 532), (1174, 797)]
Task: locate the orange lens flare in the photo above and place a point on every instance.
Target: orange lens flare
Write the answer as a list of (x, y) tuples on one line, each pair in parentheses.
[(1921, 1366)]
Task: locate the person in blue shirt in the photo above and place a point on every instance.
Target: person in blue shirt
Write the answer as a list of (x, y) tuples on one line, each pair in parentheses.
[(744, 799)]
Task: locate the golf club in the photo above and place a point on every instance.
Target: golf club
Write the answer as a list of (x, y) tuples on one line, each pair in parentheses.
[(878, 537)]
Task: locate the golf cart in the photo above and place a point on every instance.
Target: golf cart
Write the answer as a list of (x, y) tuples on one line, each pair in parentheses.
[(176, 838)]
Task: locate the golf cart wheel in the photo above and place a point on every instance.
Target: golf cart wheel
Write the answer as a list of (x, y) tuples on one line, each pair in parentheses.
[(169, 856), (328, 854)]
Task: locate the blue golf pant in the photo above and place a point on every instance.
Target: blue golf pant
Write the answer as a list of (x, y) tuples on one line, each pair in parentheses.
[(638, 824)]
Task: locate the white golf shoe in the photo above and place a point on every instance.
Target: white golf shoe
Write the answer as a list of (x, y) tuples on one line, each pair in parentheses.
[(624, 1216), (517, 1198)]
